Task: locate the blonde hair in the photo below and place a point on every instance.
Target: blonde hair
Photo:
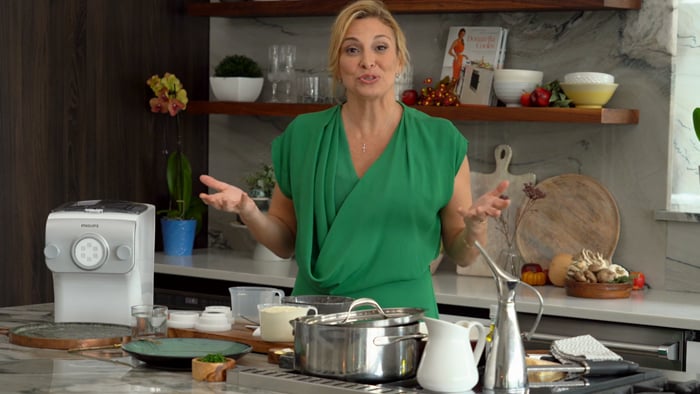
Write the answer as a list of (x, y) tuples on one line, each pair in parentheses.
[(359, 10)]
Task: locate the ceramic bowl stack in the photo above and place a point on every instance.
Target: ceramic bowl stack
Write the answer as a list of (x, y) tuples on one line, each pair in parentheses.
[(589, 89), (212, 319), (510, 84), (215, 318)]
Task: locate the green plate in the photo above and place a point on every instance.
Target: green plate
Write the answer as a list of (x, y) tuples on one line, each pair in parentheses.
[(177, 353)]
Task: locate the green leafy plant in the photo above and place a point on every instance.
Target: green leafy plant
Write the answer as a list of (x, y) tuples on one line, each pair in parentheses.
[(261, 183), (696, 121), (238, 66), (213, 358), (171, 98)]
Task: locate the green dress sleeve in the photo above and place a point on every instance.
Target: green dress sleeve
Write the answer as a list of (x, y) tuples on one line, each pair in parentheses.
[(373, 236)]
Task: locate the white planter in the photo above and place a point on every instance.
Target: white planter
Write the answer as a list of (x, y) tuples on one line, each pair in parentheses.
[(239, 89)]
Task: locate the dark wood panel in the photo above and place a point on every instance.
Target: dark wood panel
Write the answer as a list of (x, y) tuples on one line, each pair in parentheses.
[(74, 120), (331, 7)]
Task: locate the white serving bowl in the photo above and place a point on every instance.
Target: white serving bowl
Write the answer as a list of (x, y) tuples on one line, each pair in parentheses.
[(238, 89), (589, 95), (588, 77), (510, 84)]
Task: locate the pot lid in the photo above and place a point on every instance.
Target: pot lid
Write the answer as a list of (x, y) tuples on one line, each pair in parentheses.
[(377, 317)]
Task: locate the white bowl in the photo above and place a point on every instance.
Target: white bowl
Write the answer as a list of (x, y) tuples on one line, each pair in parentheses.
[(516, 75), (238, 89), (510, 84), (510, 92), (588, 77)]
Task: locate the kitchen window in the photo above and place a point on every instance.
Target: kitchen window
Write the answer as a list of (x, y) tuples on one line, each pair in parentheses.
[(685, 96)]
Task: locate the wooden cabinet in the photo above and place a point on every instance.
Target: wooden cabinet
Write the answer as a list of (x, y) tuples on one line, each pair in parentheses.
[(286, 8)]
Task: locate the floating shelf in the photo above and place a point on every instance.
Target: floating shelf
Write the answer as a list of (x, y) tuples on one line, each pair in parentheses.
[(285, 8), (461, 113)]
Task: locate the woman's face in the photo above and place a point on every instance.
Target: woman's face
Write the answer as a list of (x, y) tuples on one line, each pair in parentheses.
[(368, 59)]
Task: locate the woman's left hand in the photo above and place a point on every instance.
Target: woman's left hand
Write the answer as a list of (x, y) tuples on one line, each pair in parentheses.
[(488, 205)]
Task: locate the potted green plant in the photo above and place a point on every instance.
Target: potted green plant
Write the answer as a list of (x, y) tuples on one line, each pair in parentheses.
[(261, 182), (237, 78), (183, 217), (212, 367)]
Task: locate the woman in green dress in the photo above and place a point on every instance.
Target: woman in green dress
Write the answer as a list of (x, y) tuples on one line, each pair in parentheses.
[(368, 190)]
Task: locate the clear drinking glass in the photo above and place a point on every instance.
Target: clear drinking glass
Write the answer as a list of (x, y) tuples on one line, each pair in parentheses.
[(280, 71), (149, 321)]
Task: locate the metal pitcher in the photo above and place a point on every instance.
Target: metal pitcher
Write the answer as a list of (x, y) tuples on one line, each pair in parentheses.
[(506, 371)]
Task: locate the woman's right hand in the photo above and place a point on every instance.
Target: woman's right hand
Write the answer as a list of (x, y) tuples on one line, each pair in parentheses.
[(226, 197)]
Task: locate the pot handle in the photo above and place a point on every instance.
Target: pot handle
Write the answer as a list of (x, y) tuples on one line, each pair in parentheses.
[(389, 339), (361, 302)]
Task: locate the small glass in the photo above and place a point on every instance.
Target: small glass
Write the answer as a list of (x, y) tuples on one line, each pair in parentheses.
[(280, 70), (149, 321), (309, 89)]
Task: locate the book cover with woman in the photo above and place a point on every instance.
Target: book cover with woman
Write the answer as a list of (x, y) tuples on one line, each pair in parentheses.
[(471, 55)]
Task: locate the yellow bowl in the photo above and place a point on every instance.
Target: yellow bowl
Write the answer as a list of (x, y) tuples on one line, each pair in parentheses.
[(589, 95)]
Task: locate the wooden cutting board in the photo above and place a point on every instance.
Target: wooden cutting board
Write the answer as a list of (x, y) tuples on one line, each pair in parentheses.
[(577, 212), (482, 183), (238, 333)]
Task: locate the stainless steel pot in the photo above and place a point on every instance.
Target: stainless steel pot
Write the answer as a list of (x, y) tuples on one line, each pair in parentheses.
[(359, 346)]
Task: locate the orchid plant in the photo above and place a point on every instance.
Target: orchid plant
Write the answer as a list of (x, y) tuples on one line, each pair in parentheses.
[(171, 98)]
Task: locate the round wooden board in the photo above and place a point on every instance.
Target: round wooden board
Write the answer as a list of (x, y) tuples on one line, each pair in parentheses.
[(577, 212)]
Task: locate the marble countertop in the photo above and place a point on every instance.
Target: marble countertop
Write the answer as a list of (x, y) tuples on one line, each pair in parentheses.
[(35, 370), (650, 307)]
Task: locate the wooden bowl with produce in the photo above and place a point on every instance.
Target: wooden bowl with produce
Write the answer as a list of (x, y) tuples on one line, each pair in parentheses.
[(589, 275), (598, 290)]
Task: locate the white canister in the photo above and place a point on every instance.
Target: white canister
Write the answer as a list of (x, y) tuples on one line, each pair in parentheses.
[(275, 320)]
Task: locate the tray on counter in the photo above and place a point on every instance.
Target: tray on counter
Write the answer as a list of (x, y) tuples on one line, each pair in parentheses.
[(237, 333)]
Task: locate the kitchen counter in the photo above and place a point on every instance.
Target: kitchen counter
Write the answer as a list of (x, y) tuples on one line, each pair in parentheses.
[(651, 307), (35, 370)]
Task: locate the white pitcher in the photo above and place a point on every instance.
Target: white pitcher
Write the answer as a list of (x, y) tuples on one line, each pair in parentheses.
[(448, 363)]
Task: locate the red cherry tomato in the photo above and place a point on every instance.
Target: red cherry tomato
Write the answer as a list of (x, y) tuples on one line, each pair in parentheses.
[(540, 97), (638, 280), (525, 99), (428, 81)]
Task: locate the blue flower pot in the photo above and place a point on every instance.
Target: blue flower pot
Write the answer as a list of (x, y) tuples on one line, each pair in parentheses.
[(178, 236)]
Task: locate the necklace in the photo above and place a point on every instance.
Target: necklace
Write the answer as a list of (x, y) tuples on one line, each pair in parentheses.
[(364, 147)]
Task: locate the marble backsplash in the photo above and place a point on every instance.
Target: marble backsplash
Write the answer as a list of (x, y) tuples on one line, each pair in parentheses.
[(632, 161)]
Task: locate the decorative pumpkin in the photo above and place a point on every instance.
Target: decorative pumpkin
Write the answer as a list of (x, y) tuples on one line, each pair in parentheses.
[(558, 267), (534, 278)]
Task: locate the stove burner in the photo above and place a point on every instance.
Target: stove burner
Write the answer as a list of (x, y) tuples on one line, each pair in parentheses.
[(295, 383)]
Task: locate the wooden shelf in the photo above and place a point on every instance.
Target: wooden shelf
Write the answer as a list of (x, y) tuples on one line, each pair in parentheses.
[(461, 113), (287, 8)]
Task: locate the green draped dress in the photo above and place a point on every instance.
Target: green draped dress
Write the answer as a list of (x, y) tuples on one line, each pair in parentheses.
[(373, 236)]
